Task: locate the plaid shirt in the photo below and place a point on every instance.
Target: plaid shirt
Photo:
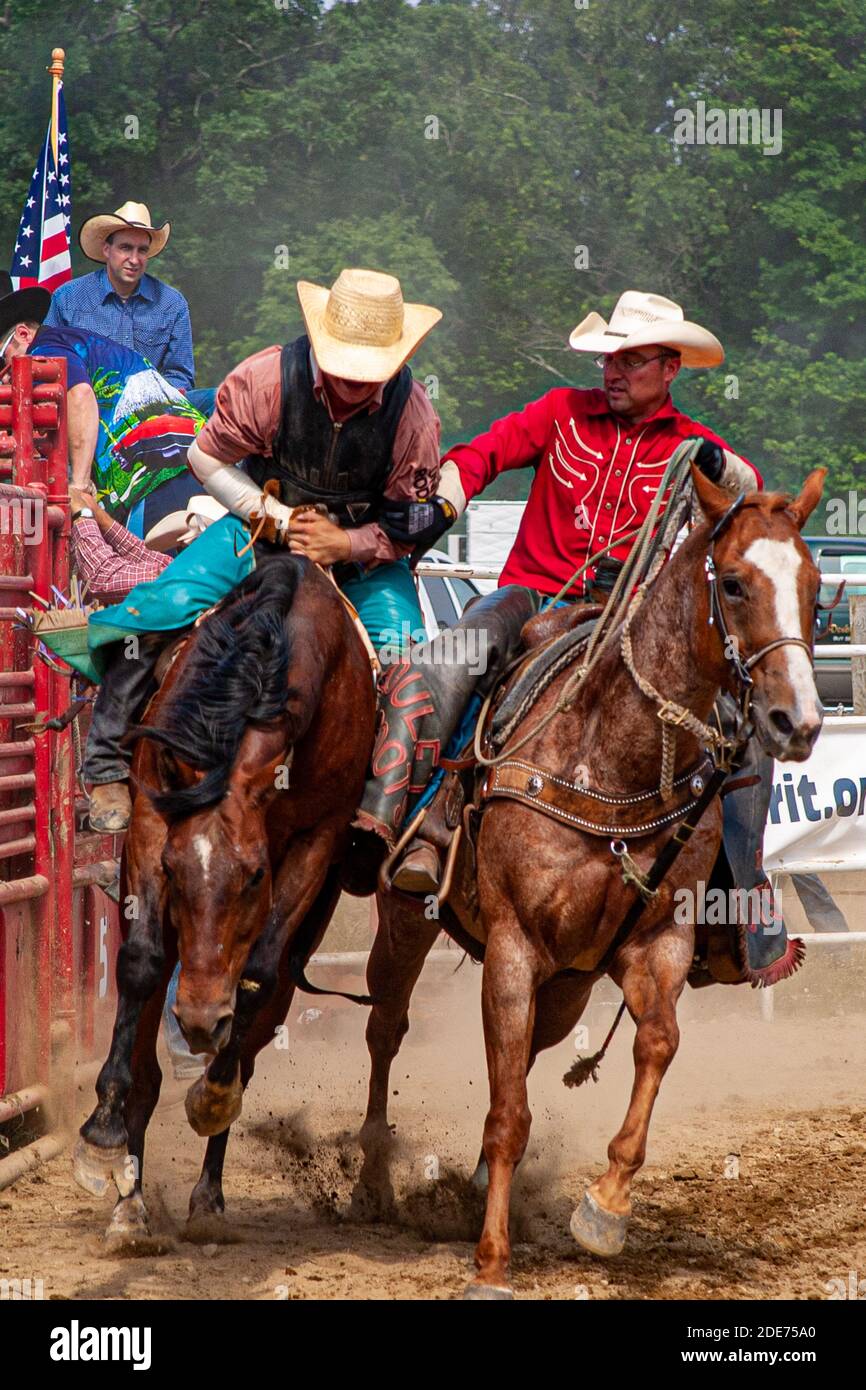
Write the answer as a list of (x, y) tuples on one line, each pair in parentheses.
[(153, 321), (115, 562)]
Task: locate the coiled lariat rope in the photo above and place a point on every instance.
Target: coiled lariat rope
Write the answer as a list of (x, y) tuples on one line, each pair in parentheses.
[(645, 559)]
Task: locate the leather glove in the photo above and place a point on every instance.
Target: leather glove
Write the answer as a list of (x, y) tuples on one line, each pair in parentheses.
[(416, 523), (710, 459)]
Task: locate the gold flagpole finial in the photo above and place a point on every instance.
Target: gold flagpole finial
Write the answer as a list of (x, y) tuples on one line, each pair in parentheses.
[(56, 70)]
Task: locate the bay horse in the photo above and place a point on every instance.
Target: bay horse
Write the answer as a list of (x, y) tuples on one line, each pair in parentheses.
[(248, 766), (545, 897)]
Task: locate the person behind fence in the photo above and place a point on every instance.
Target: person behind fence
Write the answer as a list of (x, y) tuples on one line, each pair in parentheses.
[(126, 303), (112, 561), (129, 428), (598, 457)]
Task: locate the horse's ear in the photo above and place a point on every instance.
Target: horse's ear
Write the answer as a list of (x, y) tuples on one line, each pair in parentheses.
[(803, 506), (714, 500)]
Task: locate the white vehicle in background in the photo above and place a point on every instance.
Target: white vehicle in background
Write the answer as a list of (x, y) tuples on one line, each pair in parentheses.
[(444, 597)]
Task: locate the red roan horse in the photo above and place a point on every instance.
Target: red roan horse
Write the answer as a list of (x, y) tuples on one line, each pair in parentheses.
[(250, 767), (552, 897)]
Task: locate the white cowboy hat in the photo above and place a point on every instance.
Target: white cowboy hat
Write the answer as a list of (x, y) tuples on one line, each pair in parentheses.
[(179, 528), (360, 329), (644, 320), (94, 231)]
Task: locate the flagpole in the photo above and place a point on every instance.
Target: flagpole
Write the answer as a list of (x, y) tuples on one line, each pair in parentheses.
[(56, 70)]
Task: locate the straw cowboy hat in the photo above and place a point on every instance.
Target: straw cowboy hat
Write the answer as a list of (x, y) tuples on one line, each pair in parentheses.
[(641, 320), (96, 229), (29, 305), (360, 329), (179, 528)]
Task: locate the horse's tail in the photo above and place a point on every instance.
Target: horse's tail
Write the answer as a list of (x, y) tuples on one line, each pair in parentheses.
[(236, 672)]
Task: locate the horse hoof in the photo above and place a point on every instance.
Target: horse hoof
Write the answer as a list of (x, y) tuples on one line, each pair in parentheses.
[(599, 1231), (211, 1108), (96, 1169), (486, 1292), (129, 1221)]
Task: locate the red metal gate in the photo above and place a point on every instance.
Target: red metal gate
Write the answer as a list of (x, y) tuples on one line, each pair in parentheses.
[(58, 929)]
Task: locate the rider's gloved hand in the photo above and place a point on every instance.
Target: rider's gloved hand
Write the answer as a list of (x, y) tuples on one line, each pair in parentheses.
[(710, 459), (416, 523)]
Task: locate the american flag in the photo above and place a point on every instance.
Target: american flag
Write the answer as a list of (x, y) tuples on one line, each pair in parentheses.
[(42, 255)]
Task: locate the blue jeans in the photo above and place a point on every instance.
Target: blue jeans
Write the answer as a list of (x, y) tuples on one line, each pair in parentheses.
[(171, 496), (387, 603), (175, 1041), (818, 904), (204, 399)]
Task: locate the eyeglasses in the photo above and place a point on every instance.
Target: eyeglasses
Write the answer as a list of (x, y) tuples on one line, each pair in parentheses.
[(628, 362)]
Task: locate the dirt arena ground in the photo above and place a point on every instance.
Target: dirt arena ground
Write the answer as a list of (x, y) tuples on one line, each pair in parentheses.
[(754, 1185)]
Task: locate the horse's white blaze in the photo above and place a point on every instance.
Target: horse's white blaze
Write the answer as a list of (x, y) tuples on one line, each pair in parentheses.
[(204, 849), (780, 561)]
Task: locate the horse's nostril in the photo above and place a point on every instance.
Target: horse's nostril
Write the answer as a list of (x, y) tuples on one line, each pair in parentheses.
[(781, 723), (222, 1032), (206, 1029)]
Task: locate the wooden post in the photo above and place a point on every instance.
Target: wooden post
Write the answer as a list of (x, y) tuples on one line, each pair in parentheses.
[(857, 603)]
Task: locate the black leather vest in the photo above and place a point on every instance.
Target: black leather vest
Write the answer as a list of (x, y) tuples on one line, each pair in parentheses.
[(345, 466)]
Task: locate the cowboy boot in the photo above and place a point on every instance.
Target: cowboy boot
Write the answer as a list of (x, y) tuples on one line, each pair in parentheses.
[(127, 684), (422, 699), (420, 870), (110, 807)]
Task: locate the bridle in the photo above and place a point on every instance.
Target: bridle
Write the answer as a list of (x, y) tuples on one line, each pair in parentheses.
[(742, 669), (675, 716)]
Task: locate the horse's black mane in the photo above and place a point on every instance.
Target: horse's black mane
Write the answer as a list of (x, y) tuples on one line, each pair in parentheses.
[(236, 674)]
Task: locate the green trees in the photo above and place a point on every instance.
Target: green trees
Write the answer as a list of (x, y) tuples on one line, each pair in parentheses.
[(513, 162)]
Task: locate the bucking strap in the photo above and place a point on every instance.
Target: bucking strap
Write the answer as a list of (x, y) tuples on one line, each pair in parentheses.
[(596, 812)]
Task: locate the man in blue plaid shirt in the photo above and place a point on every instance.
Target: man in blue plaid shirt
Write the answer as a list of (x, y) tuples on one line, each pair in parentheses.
[(121, 301)]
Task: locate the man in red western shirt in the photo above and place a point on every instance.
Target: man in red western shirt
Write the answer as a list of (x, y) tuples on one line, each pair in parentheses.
[(599, 457)]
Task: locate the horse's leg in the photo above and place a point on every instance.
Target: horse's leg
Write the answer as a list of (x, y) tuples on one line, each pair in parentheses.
[(258, 1014), (102, 1148), (129, 1220), (403, 942), (651, 983), (207, 1199), (511, 972), (559, 1003)]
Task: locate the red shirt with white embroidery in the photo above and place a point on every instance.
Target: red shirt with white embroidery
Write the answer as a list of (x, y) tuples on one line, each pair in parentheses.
[(595, 478)]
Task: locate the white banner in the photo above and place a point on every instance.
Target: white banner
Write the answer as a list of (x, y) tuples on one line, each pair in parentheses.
[(817, 817)]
